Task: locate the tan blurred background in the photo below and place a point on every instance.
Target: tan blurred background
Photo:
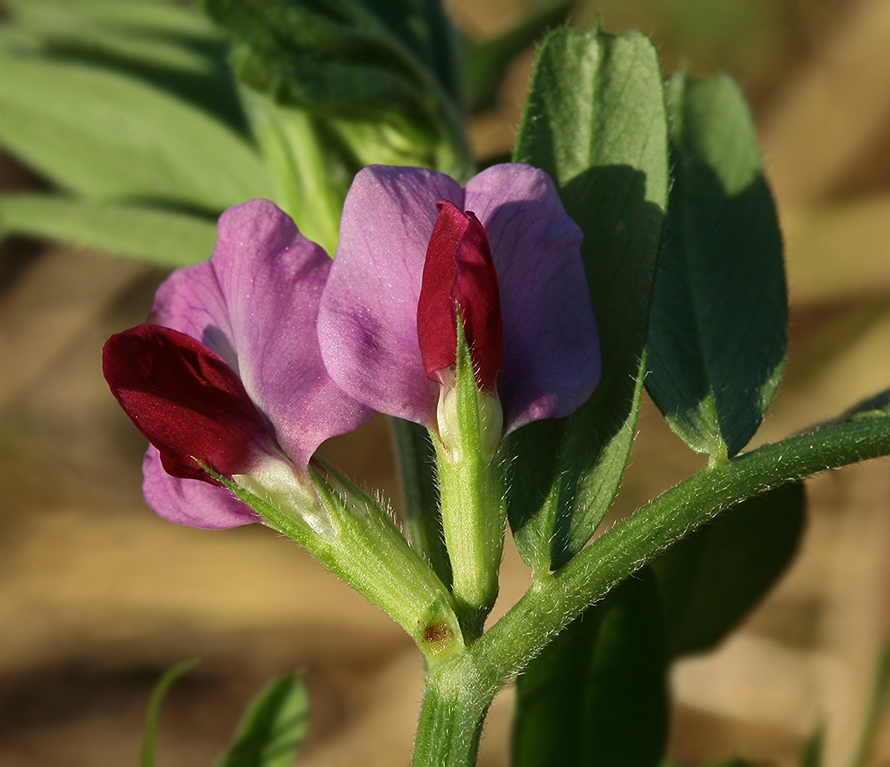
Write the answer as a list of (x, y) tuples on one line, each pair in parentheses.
[(98, 596)]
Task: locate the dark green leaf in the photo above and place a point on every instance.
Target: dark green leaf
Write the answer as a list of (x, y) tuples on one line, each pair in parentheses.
[(486, 62), (595, 120), (154, 708), (162, 237), (714, 577), (813, 749), (597, 695), (273, 728), (106, 136), (717, 335)]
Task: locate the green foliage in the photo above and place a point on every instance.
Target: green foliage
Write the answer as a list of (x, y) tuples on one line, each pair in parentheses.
[(597, 695), (154, 708), (163, 237), (127, 107), (273, 728), (713, 578), (717, 336), (360, 61), (108, 136), (166, 44), (813, 750), (595, 120)]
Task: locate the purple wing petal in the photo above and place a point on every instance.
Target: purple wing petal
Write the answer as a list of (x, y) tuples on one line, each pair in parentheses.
[(255, 303), (190, 501), (368, 316), (551, 347)]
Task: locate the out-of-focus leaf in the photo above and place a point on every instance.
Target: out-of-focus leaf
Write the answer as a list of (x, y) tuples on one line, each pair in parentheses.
[(154, 16), (716, 576), (595, 120), (107, 136), (274, 727), (162, 237), (813, 749), (154, 708), (486, 62), (167, 44), (717, 336), (361, 60), (877, 705), (597, 695)]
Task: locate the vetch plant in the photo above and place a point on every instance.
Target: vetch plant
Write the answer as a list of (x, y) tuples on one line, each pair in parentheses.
[(507, 320)]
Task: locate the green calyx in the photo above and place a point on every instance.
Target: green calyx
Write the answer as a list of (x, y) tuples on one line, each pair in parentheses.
[(471, 489), (355, 538)]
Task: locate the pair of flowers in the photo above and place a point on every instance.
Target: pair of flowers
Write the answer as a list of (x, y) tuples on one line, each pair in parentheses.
[(252, 359)]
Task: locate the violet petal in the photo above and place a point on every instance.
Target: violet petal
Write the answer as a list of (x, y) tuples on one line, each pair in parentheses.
[(198, 504), (551, 347), (255, 303), (367, 322)]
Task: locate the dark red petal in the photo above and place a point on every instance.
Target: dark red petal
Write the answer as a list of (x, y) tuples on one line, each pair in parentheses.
[(459, 275), (188, 402)]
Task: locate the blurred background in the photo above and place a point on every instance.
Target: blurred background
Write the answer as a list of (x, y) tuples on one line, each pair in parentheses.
[(98, 596)]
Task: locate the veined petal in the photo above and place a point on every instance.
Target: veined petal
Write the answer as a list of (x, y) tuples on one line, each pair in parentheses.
[(551, 347), (368, 313), (367, 322), (187, 401), (255, 303), (186, 502)]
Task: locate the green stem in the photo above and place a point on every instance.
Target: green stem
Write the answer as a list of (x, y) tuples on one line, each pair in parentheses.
[(556, 600), (454, 707), (461, 688)]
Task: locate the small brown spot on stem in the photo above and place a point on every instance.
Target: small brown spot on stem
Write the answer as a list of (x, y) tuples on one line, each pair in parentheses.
[(439, 634)]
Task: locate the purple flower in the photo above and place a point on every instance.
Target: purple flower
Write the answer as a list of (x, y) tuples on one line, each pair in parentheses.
[(228, 373), (502, 254), (254, 358)]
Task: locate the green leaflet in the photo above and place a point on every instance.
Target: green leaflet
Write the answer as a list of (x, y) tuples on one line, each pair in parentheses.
[(717, 336), (160, 691), (597, 695), (273, 728), (165, 17), (712, 579), (362, 61), (167, 45), (105, 135), (595, 120), (162, 237)]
